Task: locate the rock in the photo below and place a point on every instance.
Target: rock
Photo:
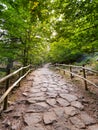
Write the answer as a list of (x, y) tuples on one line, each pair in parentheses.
[(70, 111), (17, 115), (57, 88), (93, 127), (52, 85), (11, 103), (25, 94), (7, 123), (10, 109), (50, 89), (51, 102), (16, 125), (51, 94), (30, 100), (63, 91), (63, 102), (37, 108), (34, 95), (43, 104), (88, 120), (69, 97), (36, 99), (32, 118), (77, 104), (34, 127), (48, 127), (49, 117), (59, 111), (60, 126), (34, 90), (21, 101), (43, 89), (77, 122)]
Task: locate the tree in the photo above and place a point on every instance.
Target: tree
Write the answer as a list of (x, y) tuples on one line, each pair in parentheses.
[(23, 21), (76, 20)]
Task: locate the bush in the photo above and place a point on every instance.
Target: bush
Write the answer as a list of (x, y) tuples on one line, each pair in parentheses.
[(95, 67)]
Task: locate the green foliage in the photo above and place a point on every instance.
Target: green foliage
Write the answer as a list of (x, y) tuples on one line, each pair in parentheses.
[(26, 30), (79, 25), (63, 52), (69, 28), (96, 66)]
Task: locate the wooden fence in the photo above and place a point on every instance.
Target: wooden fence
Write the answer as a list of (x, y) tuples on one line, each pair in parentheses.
[(72, 74), (23, 71)]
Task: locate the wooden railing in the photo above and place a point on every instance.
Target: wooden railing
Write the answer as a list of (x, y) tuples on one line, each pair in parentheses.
[(72, 74), (23, 71)]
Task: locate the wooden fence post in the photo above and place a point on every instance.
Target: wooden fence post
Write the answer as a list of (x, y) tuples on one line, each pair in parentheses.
[(20, 74), (71, 76), (85, 82), (64, 72)]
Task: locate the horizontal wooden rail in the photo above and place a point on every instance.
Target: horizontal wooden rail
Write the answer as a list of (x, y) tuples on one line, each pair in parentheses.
[(11, 87), (72, 74), (78, 76), (12, 74), (4, 97), (77, 67)]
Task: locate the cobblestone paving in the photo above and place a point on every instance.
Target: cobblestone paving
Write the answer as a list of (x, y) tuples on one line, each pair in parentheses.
[(50, 104)]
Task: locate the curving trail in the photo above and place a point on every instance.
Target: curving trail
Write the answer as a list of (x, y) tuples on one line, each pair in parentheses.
[(50, 103)]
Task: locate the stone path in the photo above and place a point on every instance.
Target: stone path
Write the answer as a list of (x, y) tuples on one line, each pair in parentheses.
[(50, 104)]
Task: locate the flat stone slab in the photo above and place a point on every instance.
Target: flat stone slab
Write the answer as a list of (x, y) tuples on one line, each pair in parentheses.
[(77, 104), (34, 127), (59, 111), (32, 118), (70, 111), (51, 94), (33, 90), (51, 102), (52, 85), (31, 100), (39, 94), (93, 127), (35, 99), (49, 117), (69, 97), (50, 89), (88, 120), (44, 85), (36, 108), (64, 86), (63, 102), (43, 104), (58, 88), (43, 89), (77, 122), (63, 91), (60, 126)]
